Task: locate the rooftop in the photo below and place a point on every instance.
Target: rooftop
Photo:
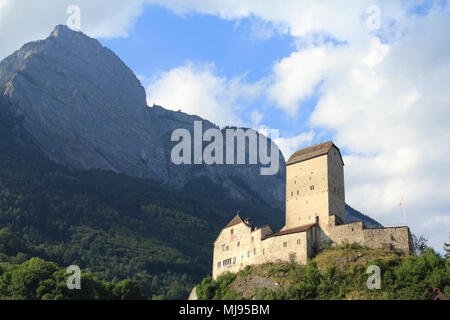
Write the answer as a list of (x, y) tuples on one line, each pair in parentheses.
[(312, 152), (303, 228)]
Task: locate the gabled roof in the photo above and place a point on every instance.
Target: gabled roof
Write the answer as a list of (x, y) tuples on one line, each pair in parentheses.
[(312, 152), (236, 220), (303, 228)]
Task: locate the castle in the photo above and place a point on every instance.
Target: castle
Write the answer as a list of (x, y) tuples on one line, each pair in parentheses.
[(315, 218)]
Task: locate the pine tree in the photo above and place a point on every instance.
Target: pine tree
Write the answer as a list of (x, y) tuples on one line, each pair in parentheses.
[(447, 250)]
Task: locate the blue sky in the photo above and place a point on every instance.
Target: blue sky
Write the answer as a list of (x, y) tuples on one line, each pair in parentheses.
[(371, 75), (161, 40)]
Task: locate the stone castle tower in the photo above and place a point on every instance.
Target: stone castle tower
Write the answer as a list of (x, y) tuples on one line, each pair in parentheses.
[(315, 218), (315, 186)]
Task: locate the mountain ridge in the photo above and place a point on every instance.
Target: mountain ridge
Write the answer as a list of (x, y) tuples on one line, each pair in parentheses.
[(86, 109)]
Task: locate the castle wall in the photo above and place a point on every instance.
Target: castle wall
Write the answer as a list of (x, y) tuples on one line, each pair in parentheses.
[(352, 232), (247, 247), (398, 237), (286, 247)]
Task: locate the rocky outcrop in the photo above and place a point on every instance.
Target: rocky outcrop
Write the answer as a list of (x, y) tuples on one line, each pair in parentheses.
[(86, 109)]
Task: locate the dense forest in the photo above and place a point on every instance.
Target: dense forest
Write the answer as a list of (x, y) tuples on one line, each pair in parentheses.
[(336, 273), (114, 227)]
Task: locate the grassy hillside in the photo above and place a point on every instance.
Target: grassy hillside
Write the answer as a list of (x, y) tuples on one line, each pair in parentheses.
[(335, 273), (112, 225)]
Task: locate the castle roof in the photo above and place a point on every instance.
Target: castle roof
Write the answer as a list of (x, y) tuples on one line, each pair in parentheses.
[(236, 220), (303, 228), (312, 152)]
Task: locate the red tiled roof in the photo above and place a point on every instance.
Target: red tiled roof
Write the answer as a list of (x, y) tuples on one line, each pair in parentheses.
[(293, 230)]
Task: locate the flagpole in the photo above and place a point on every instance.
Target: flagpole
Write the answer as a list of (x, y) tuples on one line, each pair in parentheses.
[(403, 211)]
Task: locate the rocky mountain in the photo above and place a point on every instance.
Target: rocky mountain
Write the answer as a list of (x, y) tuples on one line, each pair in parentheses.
[(353, 215), (86, 109)]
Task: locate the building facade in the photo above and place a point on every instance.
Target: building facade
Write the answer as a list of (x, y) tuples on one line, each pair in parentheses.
[(315, 218)]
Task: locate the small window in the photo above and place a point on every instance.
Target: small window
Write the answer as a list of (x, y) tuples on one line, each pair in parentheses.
[(297, 192), (228, 248), (311, 188), (252, 238), (292, 194), (234, 260), (219, 264), (298, 241), (223, 248), (248, 254), (295, 181), (254, 251), (334, 188), (263, 251), (239, 243), (232, 231), (285, 244)]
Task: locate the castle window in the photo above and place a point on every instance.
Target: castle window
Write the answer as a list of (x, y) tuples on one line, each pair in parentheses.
[(298, 241), (228, 248), (232, 231), (248, 254), (285, 244), (311, 188), (239, 243), (234, 260), (252, 238), (263, 251), (334, 188), (226, 262), (219, 264), (292, 194), (295, 181), (254, 251), (297, 192)]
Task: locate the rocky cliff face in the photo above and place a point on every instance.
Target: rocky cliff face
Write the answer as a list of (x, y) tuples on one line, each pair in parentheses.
[(86, 109)]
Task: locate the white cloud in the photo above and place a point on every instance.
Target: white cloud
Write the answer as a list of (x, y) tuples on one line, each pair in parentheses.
[(288, 145), (386, 102), (196, 89), (22, 21)]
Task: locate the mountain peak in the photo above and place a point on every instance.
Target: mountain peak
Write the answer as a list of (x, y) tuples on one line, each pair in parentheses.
[(63, 30), (86, 109)]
